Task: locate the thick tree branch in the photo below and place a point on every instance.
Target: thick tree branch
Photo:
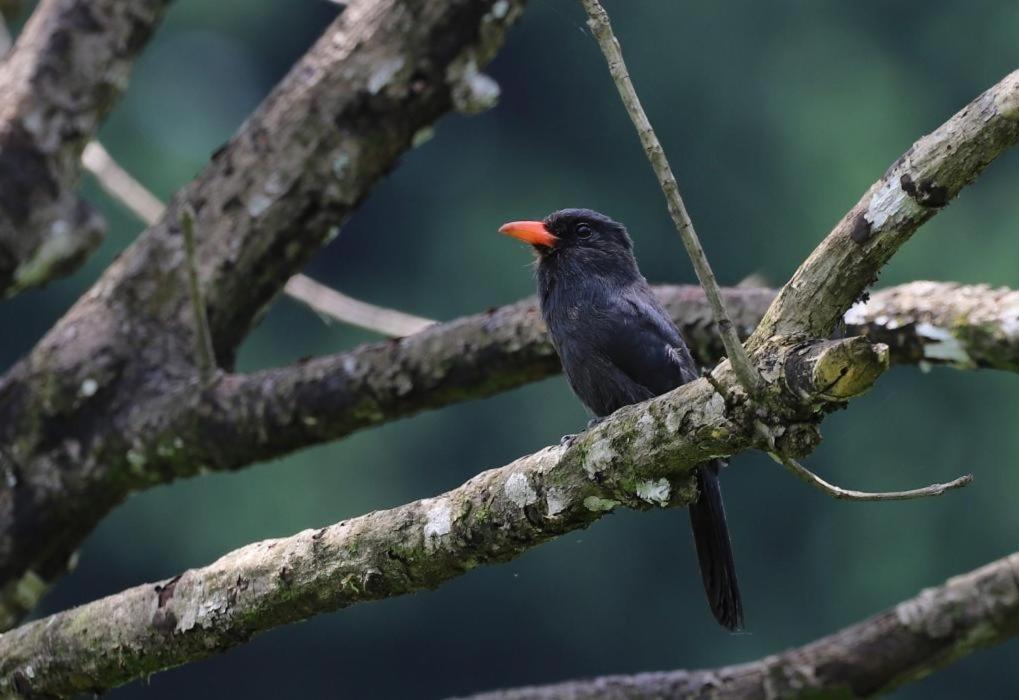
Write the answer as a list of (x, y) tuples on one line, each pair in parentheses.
[(908, 642), (119, 366), (916, 187), (268, 413), (62, 77), (640, 457)]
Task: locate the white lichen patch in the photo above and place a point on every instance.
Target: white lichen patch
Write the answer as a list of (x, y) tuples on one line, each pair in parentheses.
[(1008, 318), (1007, 99), (384, 73), (88, 388), (889, 201), (59, 246), (556, 501), (438, 519), (519, 491), (598, 504), (29, 590), (472, 91), (340, 164), (598, 458), (941, 345), (258, 205), (422, 136), (655, 492), (856, 315)]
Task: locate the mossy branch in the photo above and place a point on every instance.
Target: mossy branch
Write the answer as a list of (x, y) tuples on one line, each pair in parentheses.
[(641, 457)]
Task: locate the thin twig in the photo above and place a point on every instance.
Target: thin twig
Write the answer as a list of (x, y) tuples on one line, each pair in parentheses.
[(333, 305), (598, 21), (820, 484), (328, 303), (120, 185), (203, 338)]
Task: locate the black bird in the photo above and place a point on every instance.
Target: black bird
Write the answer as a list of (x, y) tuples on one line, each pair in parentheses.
[(618, 346)]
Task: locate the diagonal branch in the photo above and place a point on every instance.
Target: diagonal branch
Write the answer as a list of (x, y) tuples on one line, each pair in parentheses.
[(939, 626), (62, 77), (119, 365), (916, 187), (640, 457)]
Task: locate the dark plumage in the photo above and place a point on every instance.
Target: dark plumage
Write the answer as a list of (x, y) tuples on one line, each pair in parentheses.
[(618, 346)]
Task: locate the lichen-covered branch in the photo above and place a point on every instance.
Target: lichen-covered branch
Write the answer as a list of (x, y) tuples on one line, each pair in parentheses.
[(908, 642), (916, 186), (82, 416), (62, 77), (274, 411), (964, 326), (641, 457)]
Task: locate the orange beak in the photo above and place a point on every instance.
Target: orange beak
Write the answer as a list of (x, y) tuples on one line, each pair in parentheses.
[(533, 232)]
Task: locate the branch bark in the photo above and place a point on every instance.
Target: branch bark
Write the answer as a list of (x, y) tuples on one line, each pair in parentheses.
[(119, 366), (62, 77), (915, 638), (640, 457), (272, 412), (916, 187)]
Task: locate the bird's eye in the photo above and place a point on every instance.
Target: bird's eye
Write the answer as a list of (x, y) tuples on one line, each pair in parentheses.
[(583, 231)]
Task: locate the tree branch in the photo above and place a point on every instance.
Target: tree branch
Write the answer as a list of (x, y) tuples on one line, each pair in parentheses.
[(62, 77), (119, 365), (906, 643), (268, 413), (916, 187), (640, 457)]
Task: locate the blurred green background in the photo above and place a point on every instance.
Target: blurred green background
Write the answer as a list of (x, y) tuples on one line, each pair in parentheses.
[(777, 116)]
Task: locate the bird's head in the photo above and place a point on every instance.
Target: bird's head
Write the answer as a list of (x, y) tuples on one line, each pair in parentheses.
[(581, 233)]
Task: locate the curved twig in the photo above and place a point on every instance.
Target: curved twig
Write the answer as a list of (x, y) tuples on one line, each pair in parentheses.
[(840, 493)]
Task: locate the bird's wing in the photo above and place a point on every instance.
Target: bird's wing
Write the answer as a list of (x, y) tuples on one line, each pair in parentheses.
[(648, 347)]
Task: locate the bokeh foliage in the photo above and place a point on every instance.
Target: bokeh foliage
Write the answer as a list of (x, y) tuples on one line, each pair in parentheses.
[(777, 116)]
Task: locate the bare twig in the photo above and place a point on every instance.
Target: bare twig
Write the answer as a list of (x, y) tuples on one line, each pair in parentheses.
[(598, 21), (203, 339), (335, 306), (801, 472), (120, 184), (328, 303)]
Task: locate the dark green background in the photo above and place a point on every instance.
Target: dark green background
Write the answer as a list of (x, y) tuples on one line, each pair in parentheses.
[(777, 116)]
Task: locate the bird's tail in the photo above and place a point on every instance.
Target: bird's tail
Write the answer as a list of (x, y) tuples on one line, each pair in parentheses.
[(714, 551)]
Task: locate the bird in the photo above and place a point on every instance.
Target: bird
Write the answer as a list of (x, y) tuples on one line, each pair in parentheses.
[(618, 346)]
